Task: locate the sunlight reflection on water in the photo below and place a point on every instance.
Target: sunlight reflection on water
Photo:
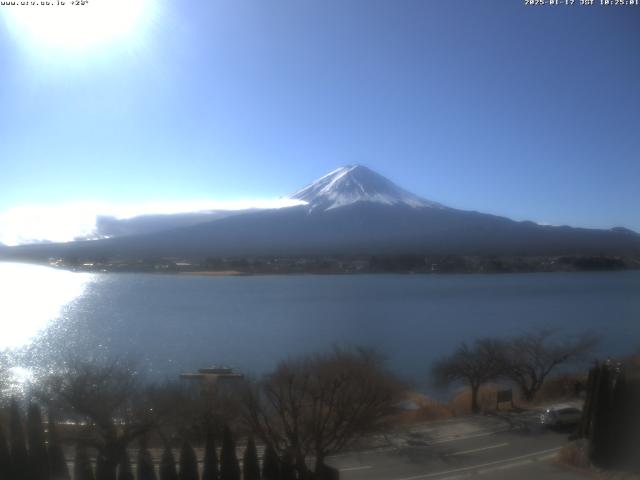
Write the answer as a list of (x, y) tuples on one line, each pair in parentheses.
[(32, 298)]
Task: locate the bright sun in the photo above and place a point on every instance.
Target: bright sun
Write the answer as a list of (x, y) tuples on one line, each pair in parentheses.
[(78, 25)]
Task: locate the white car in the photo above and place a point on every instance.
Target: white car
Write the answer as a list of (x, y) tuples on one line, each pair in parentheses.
[(561, 415)]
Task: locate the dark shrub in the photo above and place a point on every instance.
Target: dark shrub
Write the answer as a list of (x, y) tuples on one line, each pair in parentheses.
[(188, 463), (229, 467), (250, 465)]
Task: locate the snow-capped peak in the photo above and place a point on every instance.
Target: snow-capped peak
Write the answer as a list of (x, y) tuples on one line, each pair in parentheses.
[(356, 183)]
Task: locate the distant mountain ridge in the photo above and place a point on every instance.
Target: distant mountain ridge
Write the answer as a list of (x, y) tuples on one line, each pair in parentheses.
[(109, 226), (352, 211)]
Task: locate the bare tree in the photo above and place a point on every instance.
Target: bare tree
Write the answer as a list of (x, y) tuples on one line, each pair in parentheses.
[(7, 380), (188, 411), (320, 404), (107, 398), (176, 409), (531, 357), (473, 365)]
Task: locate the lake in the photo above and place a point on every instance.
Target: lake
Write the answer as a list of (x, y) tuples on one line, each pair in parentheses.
[(176, 323)]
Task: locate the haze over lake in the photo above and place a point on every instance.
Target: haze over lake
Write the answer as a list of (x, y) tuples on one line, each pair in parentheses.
[(174, 323)]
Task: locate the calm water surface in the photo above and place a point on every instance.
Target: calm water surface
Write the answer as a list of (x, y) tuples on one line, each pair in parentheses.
[(175, 323)]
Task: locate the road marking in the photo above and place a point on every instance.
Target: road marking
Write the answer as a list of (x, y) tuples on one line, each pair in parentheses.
[(434, 427), (512, 465), (506, 466), (476, 467), (426, 445), (364, 452), (458, 439), (458, 477), (353, 469), (478, 449)]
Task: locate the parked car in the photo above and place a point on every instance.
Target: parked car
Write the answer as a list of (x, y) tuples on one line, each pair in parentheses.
[(560, 416)]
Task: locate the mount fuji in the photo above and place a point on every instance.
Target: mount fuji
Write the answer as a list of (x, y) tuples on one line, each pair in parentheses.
[(353, 184), (350, 211)]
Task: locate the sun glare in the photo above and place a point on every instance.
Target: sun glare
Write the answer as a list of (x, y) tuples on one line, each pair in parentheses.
[(66, 222), (32, 297), (75, 26)]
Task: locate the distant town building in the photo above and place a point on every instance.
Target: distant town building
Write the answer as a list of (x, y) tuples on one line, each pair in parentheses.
[(211, 377)]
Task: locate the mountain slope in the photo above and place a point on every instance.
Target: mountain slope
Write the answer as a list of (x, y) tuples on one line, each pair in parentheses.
[(353, 184), (353, 211), (108, 226)]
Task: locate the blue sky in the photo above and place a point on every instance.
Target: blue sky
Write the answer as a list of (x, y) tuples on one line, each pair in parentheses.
[(528, 112)]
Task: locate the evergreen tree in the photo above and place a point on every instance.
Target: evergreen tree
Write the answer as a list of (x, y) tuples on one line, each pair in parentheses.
[(82, 465), (599, 433), (229, 467), (188, 463), (38, 457), (210, 471), (168, 465), (125, 471), (587, 410), (104, 471), (5, 457), (270, 464), (612, 419), (622, 411), (101, 467), (57, 462), (19, 455), (287, 470), (633, 424), (145, 464), (250, 465)]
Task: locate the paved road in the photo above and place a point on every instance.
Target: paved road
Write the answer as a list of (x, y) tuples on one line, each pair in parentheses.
[(505, 447)]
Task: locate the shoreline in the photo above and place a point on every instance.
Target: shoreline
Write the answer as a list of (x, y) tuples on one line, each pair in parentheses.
[(209, 273), (285, 272)]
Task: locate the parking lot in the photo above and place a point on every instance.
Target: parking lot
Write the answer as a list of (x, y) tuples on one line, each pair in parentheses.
[(503, 446)]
